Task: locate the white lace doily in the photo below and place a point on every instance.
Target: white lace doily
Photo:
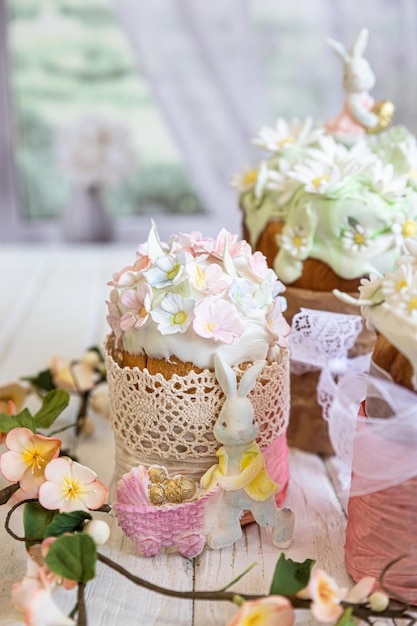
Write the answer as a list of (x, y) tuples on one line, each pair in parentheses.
[(175, 418)]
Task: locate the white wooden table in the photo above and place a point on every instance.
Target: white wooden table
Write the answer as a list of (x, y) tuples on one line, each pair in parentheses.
[(52, 303)]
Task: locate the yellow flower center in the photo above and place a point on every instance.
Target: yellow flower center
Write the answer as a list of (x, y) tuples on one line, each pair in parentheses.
[(297, 241), (412, 304), (72, 489), (400, 285), (359, 238), (210, 327), (325, 592), (249, 177), (200, 278), (143, 312), (412, 173), (172, 273), (34, 459), (179, 318), (409, 228), (316, 181), (282, 142)]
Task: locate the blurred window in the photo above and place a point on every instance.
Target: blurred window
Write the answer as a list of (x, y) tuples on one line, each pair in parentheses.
[(68, 58)]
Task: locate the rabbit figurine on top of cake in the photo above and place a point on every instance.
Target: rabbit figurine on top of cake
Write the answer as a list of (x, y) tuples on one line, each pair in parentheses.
[(241, 472), (359, 114)]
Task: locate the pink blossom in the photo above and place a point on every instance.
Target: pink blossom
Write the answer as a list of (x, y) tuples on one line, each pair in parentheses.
[(33, 594), (268, 611), (359, 594), (208, 279), (139, 304), (27, 457), (253, 266), (70, 486), (12, 397), (326, 597), (71, 377), (129, 275), (277, 324), (114, 316), (218, 320)]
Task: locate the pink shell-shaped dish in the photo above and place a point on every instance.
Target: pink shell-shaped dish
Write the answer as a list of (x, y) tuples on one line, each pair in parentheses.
[(153, 528)]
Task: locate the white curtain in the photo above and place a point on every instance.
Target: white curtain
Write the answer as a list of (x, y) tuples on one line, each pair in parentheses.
[(219, 69)]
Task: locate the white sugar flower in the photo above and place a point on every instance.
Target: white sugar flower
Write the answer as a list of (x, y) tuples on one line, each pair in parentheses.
[(96, 151), (174, 315), (356, 237), (294, 241), (241, 293), (407, 299), (349, 161), (395, 284), (404, 226), (261, 180), (285, 135), (244, 180), (168, 270), (317, 178), (384, 182)]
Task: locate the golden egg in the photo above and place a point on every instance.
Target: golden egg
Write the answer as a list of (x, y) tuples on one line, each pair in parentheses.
[(156, 494), (188, 488), (157, 474), (384, 110), (173, 491)]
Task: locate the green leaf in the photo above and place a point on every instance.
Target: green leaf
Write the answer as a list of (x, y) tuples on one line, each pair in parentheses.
[(53, 404), (7, 423), (67, 523), (290, 576), (36, 519), (43, 381), (346, 618), (25, 419), (73, 557)]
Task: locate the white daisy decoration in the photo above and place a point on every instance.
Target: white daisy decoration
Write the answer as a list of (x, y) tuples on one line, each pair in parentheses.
[(317, 178), (384, 182), (404, 227), (244, 180), (261, 180), (294, 241), (174, 315), (356, 237), (286, 135), (395, 284)]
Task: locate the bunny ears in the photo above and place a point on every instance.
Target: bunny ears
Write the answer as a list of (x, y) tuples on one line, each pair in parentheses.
[(357, 47), (227, 378)]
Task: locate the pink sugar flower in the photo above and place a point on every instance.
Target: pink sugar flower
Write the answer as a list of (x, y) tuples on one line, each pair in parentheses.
[(207, 278), (235, 247), (277, 324), (129, 275), (253, 266), (27, 457), (217, 320), (70, 486), (33, 596), (139, 304), (326, 597), (71, 377), (268, 611)]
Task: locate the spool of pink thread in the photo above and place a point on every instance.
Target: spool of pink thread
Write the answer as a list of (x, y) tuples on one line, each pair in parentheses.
[(382, 526)]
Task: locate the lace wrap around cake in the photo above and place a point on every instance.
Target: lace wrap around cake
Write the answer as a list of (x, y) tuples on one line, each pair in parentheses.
[(171, 421)]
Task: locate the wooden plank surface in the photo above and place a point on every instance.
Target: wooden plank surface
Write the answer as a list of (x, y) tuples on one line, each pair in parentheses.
[(53, 303)]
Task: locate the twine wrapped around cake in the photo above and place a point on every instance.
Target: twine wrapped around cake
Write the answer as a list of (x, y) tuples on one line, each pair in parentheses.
[(171, 421)]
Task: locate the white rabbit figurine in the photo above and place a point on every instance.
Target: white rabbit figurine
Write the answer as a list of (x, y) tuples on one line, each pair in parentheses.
[(358, 79), (241, 472)]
